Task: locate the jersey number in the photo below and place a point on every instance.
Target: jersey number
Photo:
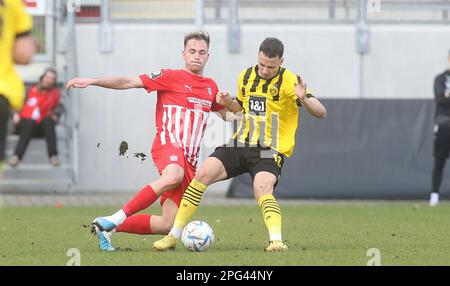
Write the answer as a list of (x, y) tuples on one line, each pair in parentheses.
[(277, 159)]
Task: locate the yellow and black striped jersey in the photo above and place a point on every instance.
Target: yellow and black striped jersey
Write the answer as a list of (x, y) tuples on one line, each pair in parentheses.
[(270, 110), (14, 22)]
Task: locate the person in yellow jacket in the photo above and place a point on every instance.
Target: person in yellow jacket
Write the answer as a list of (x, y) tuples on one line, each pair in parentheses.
[(16, 47)]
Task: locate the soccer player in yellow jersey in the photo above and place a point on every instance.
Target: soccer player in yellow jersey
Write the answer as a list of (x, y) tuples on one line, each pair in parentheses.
[(269, 97), (16, 46)]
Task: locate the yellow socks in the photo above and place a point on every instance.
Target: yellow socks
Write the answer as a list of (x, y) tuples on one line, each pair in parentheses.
[(188, 206), (272, 216)]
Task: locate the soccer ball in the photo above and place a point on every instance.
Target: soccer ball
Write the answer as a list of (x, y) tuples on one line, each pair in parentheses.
[(197, 236)]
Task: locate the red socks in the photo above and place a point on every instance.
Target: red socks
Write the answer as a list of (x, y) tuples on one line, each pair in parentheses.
[(141, 201), (138, 224)]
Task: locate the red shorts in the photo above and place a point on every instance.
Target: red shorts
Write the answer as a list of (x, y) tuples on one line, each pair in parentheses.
[(167, 154)]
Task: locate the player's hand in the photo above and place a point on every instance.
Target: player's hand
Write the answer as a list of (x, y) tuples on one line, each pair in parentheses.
[(223, 98), (300, 88), (78, 83)]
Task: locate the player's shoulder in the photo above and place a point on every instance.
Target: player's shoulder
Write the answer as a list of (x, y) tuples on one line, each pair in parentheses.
[(289, 75), (245, 71), (210, 82), (158, 73), (210, 79)]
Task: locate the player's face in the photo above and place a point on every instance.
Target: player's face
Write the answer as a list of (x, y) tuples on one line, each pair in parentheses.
[(48, 80), (268, 67), (195, 56)]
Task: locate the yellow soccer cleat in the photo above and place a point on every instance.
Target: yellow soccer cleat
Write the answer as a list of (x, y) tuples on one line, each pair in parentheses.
[(274, 246), (166, 243)]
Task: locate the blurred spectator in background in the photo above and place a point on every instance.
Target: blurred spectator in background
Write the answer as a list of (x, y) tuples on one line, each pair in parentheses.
[(16, 46), (441, 130), (38, 117)]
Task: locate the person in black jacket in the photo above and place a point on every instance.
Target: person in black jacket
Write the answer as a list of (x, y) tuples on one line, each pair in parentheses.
[(441, 130)]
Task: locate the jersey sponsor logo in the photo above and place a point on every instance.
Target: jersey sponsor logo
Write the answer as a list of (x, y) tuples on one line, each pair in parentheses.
[(257, 104), (202, 102), (154, 75), (32, 102), (273, 90)]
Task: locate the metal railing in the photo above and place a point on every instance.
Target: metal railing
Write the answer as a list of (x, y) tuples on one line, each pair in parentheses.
[(282, 11), (69, 61)]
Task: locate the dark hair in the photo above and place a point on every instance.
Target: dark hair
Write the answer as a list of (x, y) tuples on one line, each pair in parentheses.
[(272, 47), (198, 35), (47, 70)]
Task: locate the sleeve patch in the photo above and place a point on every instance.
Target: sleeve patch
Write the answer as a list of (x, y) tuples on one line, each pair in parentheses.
[(154, 75)]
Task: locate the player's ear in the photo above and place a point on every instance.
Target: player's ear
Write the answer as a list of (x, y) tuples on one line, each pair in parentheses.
[(281, 61)]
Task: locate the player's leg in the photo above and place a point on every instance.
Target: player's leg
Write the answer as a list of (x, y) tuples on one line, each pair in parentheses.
[(171, 177), (438, 170), (143, 224), (125, 220), (265, 170), (263, 185), (172, 174), (151, 224), (441, 152), (212, 170)]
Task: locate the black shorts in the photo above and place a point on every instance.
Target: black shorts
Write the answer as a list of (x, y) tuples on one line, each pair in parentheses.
[(442, 141), (240, 160)]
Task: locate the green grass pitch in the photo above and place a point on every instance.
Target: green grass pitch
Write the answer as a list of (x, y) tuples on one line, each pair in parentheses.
[(405, 233)]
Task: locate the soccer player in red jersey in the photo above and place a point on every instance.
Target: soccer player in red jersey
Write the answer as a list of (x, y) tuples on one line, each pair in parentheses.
[(184, 101)]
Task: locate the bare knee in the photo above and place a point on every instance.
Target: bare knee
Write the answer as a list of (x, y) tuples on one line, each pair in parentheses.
[(264, 184), (171, 181), (263, 188), (203, 176)]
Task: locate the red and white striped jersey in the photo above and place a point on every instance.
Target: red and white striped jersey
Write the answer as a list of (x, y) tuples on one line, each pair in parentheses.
[(184, 102)]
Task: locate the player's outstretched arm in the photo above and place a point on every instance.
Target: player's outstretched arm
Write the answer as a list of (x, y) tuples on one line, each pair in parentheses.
[(312, 104), (106, 82)]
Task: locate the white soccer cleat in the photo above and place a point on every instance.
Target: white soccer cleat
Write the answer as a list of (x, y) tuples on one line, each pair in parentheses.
[(104, 239), (434, 199)]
